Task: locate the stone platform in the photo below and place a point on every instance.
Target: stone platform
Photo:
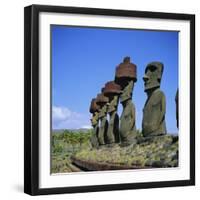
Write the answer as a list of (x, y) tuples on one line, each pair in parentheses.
[(153, 152)]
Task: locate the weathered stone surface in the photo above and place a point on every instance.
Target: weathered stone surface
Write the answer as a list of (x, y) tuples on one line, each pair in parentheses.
[(112, 106), (127, 125), (153, 75), (94, 139), (125, 76), (154, 114), (103, 125), (95, 125), (153, 122), (93, 106), (113, 125), (113, 129), (95, 119), (103, 130), (112, 91), (103, 111), (127, 120), (127, 92), (94, 109), (150, 152), (101, 99)]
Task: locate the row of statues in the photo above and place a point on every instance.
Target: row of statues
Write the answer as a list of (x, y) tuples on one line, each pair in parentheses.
[(123, 130)]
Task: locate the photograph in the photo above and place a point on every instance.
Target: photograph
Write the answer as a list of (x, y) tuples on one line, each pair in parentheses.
[(114, 99), (109, 99)]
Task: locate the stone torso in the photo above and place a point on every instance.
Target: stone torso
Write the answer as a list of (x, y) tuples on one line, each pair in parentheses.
[(94, 138), (127, 121), (102, 130), (113, 128), (154, 114)]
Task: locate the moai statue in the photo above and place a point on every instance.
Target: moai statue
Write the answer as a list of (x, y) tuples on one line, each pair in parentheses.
[(94, 109), (102, 101), (126, 76), (153, 122), (112, 91), (177, 109)]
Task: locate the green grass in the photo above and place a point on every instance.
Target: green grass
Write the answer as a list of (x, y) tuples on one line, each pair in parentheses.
[(64, 145), (156, 152), (159, 152)]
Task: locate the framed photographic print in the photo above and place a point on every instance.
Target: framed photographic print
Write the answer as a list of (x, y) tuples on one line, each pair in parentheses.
[(109, 99)]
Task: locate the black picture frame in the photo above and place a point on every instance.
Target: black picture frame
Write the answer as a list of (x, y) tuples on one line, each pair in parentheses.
[(31, 98)]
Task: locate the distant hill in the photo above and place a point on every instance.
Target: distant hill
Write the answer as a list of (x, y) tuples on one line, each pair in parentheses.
[(83, 130), (58, 130)]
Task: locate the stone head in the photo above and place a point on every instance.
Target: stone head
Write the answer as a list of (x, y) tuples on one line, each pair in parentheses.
[(95, 119), (112, 91), (94, 109), (153, 75), (112, 106), (125, 72), (127, 92), (102, 101)]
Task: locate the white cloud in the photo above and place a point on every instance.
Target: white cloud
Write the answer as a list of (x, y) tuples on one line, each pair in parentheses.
[(64, 118), (60, 113)]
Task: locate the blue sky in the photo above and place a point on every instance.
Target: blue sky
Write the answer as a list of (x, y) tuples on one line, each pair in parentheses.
[(84, 59)]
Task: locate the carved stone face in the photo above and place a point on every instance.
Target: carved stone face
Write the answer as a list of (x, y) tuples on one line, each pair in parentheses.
[(153, 75), (113, 103), (127, 92), (103, 110), (95, 119)]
